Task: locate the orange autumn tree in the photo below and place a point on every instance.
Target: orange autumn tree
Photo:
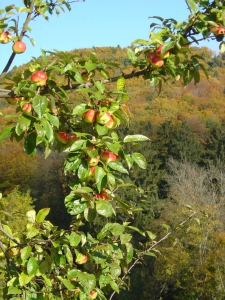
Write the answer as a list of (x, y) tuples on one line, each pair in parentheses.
[(49, 263)]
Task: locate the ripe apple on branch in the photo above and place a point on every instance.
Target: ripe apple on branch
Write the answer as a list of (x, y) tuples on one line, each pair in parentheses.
[(39, 77), (19, 47)]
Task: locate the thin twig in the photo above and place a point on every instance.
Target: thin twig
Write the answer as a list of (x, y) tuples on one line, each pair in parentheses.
[(152, 247), (8, 235)]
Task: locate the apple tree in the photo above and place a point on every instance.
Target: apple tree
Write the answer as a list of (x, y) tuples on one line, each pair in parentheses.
[(48, 263)]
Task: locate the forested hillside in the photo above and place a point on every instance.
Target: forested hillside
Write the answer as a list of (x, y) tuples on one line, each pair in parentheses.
[(185, 169)]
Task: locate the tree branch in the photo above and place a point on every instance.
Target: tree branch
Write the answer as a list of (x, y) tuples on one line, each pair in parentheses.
[(7, 93), (8, 235), (23, 31)]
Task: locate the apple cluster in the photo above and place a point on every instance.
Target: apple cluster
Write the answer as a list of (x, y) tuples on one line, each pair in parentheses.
[(156, 58), (101, 117), (37, 77), (18, 46)]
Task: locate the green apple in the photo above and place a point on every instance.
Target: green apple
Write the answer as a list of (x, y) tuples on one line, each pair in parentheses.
[(103, 117)]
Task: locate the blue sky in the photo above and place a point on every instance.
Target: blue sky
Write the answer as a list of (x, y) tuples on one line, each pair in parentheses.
[(95, 23)]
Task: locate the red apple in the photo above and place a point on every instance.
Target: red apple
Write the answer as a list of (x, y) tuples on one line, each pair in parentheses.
[(5, 37), (90, 116), (103, 117), (19, 47), (39, 77), (93, 294), (27, 107), (155, 60), (159, 52), (111, 123), (217, 29), (63, 137), (14, 100), (221, 30), (103, 195), (108, 156)]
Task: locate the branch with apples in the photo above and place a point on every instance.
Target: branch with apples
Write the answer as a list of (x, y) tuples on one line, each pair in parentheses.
[(70, 263)]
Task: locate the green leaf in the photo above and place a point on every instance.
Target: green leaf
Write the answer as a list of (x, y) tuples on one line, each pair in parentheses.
[(135, 138), (136, 229), (74, 239), (113, 147), (83, 170), (115, 269), (6, 132), (78, 77), (42, 214), (101, 129), (77, 207), (114, 286), (89, 66), (193, 5), (88, 280), (150, 254), (104, 208), (168, 46), (40, 103), (76, 146), (32, 266), (151, 235), (32, 232), (125, 238), (22, 125), (13, 290), (117, 166), (68, 255), (90, 214), (67, 283), (111, 180), (48, 129), (40, 133), (140, 160), (24, 279), (80, 109), (131, 55), (101, 178), (100, 86), (104, 280), (25, 252), (130, 252), (121, 83), (53, 120), (30, 144)]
